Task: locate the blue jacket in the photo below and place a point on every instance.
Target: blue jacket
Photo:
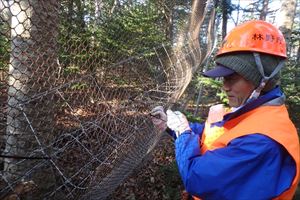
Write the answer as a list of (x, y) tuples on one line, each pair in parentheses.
[(240, 169)]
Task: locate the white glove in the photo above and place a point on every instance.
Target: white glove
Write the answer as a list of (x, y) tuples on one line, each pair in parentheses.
[(159, 118), (177, 122)]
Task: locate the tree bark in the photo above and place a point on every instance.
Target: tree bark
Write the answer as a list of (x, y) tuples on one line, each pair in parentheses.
[(32, 68), (18, 76)]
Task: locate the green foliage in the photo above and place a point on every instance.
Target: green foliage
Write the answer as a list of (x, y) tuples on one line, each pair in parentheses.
[(117, 33), (131, 32), (290, 82), (192, 118), (118, 80), (79, 86), (215, 85), (72, 69), (4, 48)]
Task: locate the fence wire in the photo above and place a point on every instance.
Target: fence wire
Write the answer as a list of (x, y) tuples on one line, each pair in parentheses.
[(77, 81)]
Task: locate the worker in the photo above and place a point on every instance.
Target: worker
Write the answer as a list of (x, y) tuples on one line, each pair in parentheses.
[(249, 150)]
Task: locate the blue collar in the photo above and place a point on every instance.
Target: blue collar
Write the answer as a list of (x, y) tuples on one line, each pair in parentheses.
[(273, 94)]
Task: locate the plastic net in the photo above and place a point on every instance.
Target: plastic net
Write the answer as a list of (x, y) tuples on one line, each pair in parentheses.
[(77, 81)]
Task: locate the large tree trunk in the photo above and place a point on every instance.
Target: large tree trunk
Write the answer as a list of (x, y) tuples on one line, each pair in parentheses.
[(33, 64), (18, 76), (5, 16)]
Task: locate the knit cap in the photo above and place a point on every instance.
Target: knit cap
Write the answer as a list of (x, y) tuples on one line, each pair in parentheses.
[(244, 64)]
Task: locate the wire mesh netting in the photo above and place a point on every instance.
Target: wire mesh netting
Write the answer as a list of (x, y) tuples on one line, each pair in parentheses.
[(78, 79)]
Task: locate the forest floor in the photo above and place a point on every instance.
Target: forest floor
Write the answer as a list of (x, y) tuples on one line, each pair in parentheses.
[(157, 178)]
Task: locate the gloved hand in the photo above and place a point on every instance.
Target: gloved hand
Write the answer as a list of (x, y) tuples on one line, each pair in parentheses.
[(177, 122), (159, 118)]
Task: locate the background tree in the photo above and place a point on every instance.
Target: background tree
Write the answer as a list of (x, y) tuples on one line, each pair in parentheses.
[(32, 38), (285, 20), (264, 10), (288, 22), (226, 5)]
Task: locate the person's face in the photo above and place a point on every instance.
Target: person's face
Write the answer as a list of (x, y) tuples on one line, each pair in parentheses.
[(237, 89)]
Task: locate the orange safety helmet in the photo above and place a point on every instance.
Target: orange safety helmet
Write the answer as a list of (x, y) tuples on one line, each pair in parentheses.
[(256, 36)]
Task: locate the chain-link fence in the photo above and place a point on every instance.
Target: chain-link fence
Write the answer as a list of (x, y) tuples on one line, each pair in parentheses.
[(77, 81)]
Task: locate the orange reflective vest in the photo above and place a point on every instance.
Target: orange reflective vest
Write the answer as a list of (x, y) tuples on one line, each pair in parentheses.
[(272, 121)]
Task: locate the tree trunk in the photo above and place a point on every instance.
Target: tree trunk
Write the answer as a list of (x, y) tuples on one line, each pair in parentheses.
[(18, 76), (225, 18), (264, 11), (285, 19), (5, 20), (32, 68), (238, 13), (169, 11), (297, 71)]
